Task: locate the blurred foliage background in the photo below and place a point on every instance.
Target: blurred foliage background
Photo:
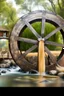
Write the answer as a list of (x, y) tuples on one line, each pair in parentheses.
[(10, 14)]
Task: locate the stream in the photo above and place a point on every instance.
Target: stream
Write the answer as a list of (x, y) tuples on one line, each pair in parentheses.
[(14, 77)]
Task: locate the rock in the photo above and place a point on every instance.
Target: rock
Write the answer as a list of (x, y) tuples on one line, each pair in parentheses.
[(61, 74), (7, 61), (3, 71), (7, 64), (20, 70), (33, 72), (0, 72), (4, 65), (53, 72)]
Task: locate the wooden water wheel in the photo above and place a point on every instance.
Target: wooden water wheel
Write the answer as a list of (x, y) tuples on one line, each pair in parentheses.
[(39, 41)]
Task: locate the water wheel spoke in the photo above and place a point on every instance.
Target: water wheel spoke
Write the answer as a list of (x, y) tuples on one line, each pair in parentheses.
[(53, 32), (27, 40), (30, 49), (54, 43), (52, 57), (32, 29), (21, 56), (43, 26)]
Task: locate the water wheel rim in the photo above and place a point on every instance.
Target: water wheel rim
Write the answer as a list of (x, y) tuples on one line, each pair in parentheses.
[(33, 16)]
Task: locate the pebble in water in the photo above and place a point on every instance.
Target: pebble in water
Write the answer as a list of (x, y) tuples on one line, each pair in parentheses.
[(20, 70), (53, 72), (33, 72), (0, 73), (61, 74), (3, 71)]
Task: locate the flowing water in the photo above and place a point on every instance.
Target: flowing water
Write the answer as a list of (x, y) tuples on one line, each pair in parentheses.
[(15, 77)]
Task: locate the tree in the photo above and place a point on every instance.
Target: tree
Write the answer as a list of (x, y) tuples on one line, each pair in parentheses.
[(8, 15), (29, 5), (57, 6)]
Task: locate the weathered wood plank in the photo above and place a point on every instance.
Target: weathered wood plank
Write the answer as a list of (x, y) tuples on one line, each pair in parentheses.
[(54, 43), (27, 40)]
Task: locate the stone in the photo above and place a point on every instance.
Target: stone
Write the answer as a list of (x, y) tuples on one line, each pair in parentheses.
[(3, 71), (20, 70), (4, 65), (7, 61), (53, 72), (61, 74), (7, 64), (33, 72)]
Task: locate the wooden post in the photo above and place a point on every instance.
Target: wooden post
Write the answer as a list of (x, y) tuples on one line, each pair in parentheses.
[(41, 57)]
